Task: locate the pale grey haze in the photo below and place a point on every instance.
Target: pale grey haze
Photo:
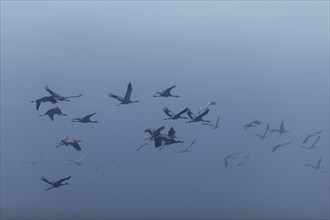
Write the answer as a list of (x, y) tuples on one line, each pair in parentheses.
[(258, 60)]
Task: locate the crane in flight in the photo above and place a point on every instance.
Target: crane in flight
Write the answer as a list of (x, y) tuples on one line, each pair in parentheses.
[(313, 146), (317, 166), (153, 134), (174, 116), (59, 97), (52, 112), (281, 130), (70, 141), (311, 135), (55, 184), (280, 145), (127, 98), (197, 118), (230, 156), (165, 92), (50, 99), (253, 123), (85, 119)]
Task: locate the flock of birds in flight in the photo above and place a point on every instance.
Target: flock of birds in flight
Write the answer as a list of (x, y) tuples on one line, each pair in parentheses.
[(162, 140)]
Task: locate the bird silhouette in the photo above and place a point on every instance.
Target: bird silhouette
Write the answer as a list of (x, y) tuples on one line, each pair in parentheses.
[(197, 118), (165, 92), (127, 98), (253, 123), (281, 130), (280, 145), (86, 119), (56, 184), (174, 116), (70, 141), (52, 112), (59, 97), (50, 99), (313, 146)]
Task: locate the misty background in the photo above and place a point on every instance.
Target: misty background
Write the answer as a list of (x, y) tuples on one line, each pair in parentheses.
[(264, 60)]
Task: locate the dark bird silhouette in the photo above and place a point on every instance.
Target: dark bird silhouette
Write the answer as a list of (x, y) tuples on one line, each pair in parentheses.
[(174, 116), (50, 99), (52, 112), (127, 98), (197, 118), (153, 134), (56, 184), (59, 97), (70, 141), (280, 145), (229, 156), (281, 130), (168, 139), (85, 119), (253, 123), (36, 161), (264, 135), (317, 166), (214, 126), (187, 149), (313, 146), (165, 92), (311, 135)]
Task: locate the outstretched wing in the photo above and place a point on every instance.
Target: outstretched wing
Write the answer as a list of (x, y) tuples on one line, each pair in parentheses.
[(61, 180), (157, 132), (119, 98), (307, 137), (45, 180), (168, 112), (257, 135), (183, 111), (76, 146), (309, 165), (191, 115), (317, 139), (200, 116), (267, 128), (54, 94), (318, 132), (217, 122), (87, 117), (167, 91), (171, 132), (128, 92), (192, 143)]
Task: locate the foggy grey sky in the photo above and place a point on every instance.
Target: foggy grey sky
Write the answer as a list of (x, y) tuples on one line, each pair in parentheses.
[(257, 59)]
